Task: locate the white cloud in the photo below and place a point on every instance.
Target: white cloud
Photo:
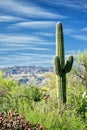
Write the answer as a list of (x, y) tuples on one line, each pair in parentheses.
[(79, 37), (15, 57), (36, 24), (12, 60), (24, 48), (69, 31), (5, 49), (29, 10), (36, 55), (16, 38), (23, 39), (84, 29), (77, 34), (9, 18), (78, 5), (44, 34), (37, 48)]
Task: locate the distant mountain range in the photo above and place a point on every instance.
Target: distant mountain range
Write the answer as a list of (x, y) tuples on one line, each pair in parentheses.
[(28, 74)]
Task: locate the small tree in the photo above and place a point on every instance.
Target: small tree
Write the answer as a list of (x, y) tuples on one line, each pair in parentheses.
[(80, 68)]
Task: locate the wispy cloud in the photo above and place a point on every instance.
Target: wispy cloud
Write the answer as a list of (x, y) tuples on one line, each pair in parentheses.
[(36, 24), (9, 18), (29, 10), (78, 5), (80, 37), (17, 38), (77, 34), (23, 39), (25, 60), (44, 34), (84, 29), (36, 55), (20, 38), (22, 48), (68, 31)]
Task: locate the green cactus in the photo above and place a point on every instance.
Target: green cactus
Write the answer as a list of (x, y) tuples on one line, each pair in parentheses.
[(60, 67)]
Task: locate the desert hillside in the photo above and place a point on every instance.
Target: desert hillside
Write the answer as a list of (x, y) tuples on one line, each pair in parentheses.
[(28, 74)]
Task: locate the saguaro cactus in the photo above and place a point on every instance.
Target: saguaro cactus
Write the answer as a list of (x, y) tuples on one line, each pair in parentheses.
[(60, 67)]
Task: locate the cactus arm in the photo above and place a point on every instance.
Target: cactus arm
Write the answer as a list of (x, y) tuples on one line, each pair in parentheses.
[(57, 68), (69, 64)]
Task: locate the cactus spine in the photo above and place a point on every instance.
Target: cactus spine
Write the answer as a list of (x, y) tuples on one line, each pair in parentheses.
[(60, 67)]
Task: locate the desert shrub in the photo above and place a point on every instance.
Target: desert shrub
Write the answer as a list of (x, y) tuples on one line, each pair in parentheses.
[(14, 121), (36, 94)]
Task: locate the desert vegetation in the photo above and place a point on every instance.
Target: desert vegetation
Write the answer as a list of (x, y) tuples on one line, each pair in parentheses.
[(59, 105), (40, 105)]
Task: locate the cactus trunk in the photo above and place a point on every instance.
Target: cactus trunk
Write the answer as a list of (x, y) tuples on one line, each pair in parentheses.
[(59, 64), (61, 80)]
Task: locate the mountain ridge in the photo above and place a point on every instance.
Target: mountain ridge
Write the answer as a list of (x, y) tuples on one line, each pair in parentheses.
[(29, 75)]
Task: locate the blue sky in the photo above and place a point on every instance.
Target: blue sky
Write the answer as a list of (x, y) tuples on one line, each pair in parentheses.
[(27, 30)]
